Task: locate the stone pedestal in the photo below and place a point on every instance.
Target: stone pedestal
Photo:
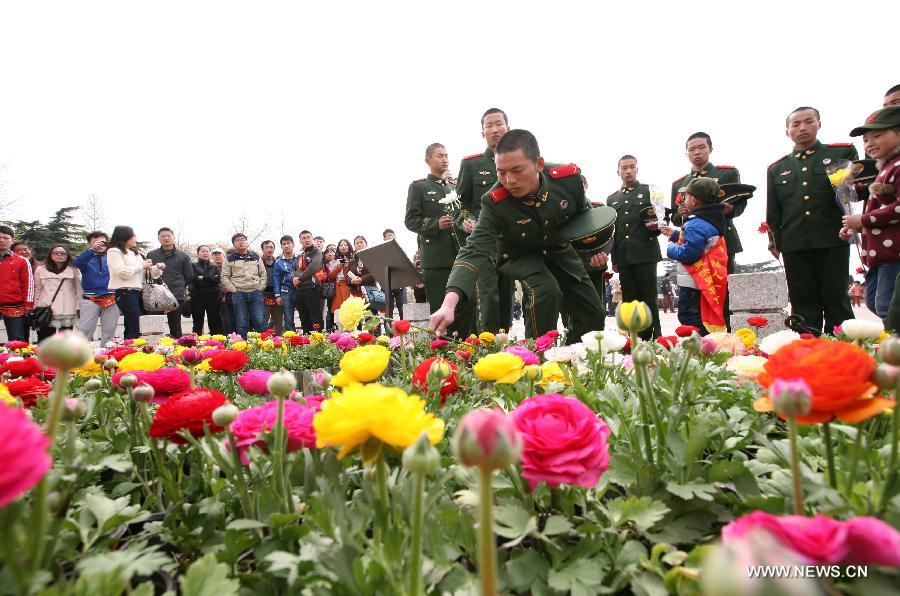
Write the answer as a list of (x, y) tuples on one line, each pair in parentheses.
[(758, 295), (416, 312), (154, 325)]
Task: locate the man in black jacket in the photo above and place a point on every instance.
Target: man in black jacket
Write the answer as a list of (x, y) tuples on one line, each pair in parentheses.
[(177, 273), (307, 286), (205, 292)]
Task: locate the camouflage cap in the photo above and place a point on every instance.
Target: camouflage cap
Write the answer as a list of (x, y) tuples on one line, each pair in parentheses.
[(706, 190), (888, 117)]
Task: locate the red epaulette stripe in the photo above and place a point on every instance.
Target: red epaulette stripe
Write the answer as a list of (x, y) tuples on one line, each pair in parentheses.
[(564, 171), (677, 180), (420, 180), (840, 144), (473, 156), (597, 203), (777, 160), (725, 167), (498, 194)]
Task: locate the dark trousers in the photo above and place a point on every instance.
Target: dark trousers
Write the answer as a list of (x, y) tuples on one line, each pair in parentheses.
[(226, 314), (639, 283), (817, 285), (208, 307), (16, 328), (464, 315), (667, 302), (552, 292), (600, 285), (308, 302), (506, 289), (689, 309), (892, 322), (45, 332), (174, 320), (399, 296), (129, 302), (329, 315)]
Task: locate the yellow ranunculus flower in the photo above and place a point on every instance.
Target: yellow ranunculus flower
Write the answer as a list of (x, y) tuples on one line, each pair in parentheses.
[(884, 335), (218, 337), (838, 176), (351, 312), (317, 337), (486, 337), (91, 369), (207, 348), (289, 333), (342, 379), (552, 373), (366, 363), (382, 339), (6, 397), (747, 336), (252, 334), (361, 412), (203, 366), (533, 372), (138, 342), (633, 316), (166, 341), (501, 367), (240, 345), (141, 361), (267, 344), (202, 337)]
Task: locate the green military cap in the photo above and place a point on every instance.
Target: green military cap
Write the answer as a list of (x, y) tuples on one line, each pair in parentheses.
[(735, 191), (888, 117), (864, 170), (590, 230), (706, 190)]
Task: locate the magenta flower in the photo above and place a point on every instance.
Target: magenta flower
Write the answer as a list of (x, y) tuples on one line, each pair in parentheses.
[(565, 441), (188, 341), (213, 342), (438, 343), (544, 343), (527, 356), (487, 439), (23, 448), (251, 424), (345, 342), (166, 382), (255, 382)]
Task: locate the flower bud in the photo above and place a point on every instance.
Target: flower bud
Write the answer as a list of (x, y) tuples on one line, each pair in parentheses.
[(421, 457), (143, 392), (225, 414), (282, 383), (533, 372), (101, 359), (127, 381), (110, 364), (889, 350), (501, 338), (642, 355), (322, 378), (791, 398), (440, 368), (487, 439), (708, 347), (65, 350), (92, 385), (886, 376), (691, 344), (634, 316), (73, 409), (191, 357)]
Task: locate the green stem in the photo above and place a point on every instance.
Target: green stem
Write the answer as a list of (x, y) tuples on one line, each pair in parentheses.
[(795, 466), (829, 454), (645, 423), (891, 476), (487, 549), (416, 583), (39, 517), (857, 444), (170, 487), (240, 480), (650, 398), (278, 456)]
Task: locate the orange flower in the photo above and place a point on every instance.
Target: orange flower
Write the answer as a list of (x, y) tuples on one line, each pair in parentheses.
[(838, 374)]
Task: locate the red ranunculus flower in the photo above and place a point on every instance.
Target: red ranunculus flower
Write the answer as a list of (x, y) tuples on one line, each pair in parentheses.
[(763, 228), (365, 338), (402, 326), (165, 381), (228, 361), (298, 340), (28, 390), (29, 367), (757, 321), (188, 410), (685, 330), (266, 334), (17, 345), (464, 354), (120, 352), (438, 344), (806, 336), (420, 377), (668, 341)]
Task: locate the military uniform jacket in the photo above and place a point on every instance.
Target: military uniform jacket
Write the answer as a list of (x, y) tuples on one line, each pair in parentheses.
[(722, 175), (477, 175), (800, 202), (527, 229), (437, 248), (633, 243)]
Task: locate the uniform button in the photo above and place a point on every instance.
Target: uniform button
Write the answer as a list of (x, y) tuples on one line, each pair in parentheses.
[(538, 204), (504, 256), (546, 237), (484, 183), (784, 181), (627, 237), (729, 227), (626, 213), (523, 234), (805, 183), (805, 197), (544, 251), (546, 223), (427, 240), (808, 213), (626, 202), (803, 169)]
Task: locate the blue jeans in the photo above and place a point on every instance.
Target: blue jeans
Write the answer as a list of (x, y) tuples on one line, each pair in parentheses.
[(880, 282), (248, 309), (129, 302), (287, 308), (689, 308)]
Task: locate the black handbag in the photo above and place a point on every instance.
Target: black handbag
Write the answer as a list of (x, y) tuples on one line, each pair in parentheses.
[(42, 316), (328, 289)]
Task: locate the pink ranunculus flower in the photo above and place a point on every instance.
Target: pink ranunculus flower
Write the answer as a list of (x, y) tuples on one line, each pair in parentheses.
[(345, 342), (487, 439), (23, 448), (166, 382), (255, 382), (252, 423), (527, 356), (565, 441), (820, 540)]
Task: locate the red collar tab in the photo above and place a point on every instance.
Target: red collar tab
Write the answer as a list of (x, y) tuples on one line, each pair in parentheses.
[(564, 171), (498, 194)]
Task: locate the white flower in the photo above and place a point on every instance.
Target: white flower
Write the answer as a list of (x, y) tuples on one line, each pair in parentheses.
[(566, 353), (450, 199), (746, 368), (774, 342), (859, 329), (604, 341)]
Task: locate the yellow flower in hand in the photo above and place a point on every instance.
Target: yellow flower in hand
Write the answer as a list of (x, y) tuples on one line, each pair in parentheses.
[(366, 363), (362, 412), (501, 367)]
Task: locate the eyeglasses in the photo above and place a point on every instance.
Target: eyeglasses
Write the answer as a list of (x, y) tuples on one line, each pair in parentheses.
[(59, 253)]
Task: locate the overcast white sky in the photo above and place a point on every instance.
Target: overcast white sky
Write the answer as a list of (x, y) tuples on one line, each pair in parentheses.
[(187, 113)]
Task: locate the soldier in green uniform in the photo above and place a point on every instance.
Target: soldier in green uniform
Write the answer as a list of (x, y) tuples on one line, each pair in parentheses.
[(636, 249), (477, 175), (525, 211), (805, 221), (697, 148), (440, 233)]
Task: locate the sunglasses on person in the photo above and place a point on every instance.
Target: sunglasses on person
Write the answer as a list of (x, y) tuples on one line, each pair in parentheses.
[(59, 253)]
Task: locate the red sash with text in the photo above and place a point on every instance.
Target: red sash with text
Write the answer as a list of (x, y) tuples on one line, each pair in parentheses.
[(710, 273)]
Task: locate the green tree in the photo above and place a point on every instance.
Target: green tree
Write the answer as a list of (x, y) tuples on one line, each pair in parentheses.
[(60, 229)]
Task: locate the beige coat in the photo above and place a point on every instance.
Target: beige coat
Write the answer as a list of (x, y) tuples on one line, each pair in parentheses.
[(68, 300), (125, 270), (244, 275)]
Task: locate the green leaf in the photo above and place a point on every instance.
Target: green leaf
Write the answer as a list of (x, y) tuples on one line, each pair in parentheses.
[(207, 577), (125, 563), (582, 576), (556, 524), (644, 512), (245, 524), (692, 489), (513, 521), (525, 569)]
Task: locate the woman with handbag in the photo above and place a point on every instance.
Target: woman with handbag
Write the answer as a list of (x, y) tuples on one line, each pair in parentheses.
[(57, 291), (126, 277)]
